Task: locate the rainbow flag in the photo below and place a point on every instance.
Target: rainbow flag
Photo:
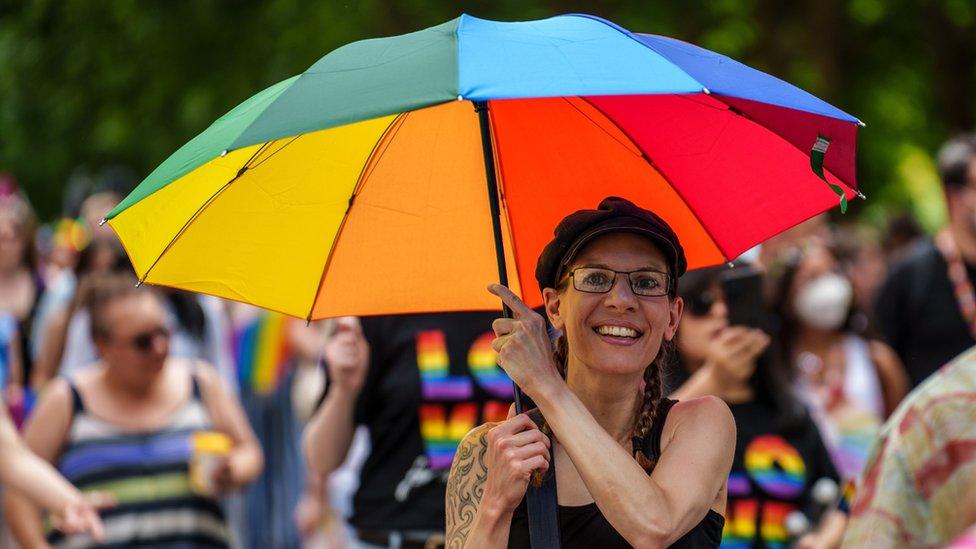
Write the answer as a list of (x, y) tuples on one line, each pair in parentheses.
[(262, 352)]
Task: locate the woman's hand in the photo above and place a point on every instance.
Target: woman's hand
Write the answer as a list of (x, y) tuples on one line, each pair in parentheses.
[(523, 346), (80, 515), (347, 356), (516, 447), (733, 353)]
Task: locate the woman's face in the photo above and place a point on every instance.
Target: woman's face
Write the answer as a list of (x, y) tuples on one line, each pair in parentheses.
[(705, 317), (13, 242), (587, 319), (138, 339)]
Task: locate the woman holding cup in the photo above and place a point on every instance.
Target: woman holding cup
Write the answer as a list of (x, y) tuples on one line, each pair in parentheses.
[(130, 426)]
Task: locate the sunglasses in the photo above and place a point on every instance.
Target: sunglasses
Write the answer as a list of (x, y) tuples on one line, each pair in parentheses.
[(700, 304), (143, 342)]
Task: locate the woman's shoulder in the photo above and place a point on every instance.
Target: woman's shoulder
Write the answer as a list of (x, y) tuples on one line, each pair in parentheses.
[(706, 416)]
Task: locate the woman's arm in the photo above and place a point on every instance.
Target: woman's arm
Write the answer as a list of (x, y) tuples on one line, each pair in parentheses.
[(246, 460), (655, 510), (891, 374), (488, 479), (329, 433), (44, 434)]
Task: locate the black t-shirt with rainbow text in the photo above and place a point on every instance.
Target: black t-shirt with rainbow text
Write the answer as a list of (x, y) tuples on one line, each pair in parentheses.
[(432, 378), (772, 476)]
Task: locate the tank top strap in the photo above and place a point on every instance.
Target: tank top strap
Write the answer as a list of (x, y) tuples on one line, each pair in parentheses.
[(77, 404), (195, 384), (653, 443)]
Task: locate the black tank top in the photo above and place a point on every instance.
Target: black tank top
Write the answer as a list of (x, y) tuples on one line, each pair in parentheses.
[(584, 526)]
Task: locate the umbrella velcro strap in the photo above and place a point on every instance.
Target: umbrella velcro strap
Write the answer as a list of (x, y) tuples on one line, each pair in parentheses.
[(817, 154)]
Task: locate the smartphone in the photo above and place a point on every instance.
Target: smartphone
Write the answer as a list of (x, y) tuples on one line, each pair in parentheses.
[(742, 287)]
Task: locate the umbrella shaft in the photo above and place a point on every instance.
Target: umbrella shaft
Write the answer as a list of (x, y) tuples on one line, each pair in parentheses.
[(488, 150)]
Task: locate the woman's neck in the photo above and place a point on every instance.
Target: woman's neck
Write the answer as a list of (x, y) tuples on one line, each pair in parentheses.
[(136, 389), (613, 400)]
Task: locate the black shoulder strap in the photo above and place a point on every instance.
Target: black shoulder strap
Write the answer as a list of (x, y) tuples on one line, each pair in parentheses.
[(77, 405), (542, 503)]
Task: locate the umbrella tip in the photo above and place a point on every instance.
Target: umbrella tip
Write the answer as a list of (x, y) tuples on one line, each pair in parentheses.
[(223, 153), (138, 283), (861, 195), (730, 264), (861, 123), (102, 222), (706, 90), (460, 97)]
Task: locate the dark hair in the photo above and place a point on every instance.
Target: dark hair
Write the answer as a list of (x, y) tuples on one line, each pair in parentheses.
[(120, 262), (100, 290), (954, 158), (189, 313)]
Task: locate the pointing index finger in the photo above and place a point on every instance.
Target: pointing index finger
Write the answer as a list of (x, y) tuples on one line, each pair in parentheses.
[(518, 307)]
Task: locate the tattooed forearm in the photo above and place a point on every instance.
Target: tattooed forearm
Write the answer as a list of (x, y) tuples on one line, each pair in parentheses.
[(465, 486)]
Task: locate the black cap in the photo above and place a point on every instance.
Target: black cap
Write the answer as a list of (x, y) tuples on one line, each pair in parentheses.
[(613, 215)]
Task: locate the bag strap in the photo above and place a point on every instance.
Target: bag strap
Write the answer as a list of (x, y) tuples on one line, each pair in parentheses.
[(541, 501)]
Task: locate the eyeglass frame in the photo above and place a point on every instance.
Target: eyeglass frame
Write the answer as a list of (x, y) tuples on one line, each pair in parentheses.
[(667, 292)]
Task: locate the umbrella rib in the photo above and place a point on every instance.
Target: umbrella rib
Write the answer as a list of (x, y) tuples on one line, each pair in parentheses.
[(388, 134), (664, 175), (199, 211)]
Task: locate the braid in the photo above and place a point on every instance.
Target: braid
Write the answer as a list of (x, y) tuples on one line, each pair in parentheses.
[(651, 401)]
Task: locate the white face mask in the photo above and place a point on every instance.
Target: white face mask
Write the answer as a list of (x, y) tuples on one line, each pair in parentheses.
[(824, 301)]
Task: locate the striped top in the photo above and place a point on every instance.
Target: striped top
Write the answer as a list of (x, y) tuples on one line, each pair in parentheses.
[(148, 474)]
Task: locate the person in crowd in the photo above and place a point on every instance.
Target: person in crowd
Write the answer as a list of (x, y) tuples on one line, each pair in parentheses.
[(632, 468), (916, 488), (65, 344), (780, 455), (926, 309), (849, 382), (138, 425), (266, 348), (69, 237), (20, 286), (861, 258), (418, 383)]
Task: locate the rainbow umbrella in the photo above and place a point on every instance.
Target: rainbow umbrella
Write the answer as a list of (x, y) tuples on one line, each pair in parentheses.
[(405, 174), (401, 174)]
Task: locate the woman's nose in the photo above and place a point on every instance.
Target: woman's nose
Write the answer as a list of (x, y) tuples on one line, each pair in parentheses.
[(720, 309), (621, 295)]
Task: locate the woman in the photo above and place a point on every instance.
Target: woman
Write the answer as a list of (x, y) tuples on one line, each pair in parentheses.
[(850, 383), (20, 285), (125, 425), (780, 458), (632, 468)]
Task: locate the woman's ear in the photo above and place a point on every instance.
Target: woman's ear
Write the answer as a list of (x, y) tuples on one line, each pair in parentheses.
[(551, 297), (674, 318)]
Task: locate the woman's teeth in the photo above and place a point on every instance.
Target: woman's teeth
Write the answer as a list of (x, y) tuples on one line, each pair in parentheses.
[(616, 331)]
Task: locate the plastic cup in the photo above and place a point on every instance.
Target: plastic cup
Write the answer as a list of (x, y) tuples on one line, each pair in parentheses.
[(209, 449)]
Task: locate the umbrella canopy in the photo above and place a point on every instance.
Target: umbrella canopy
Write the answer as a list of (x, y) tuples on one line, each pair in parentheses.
[(359, 186)]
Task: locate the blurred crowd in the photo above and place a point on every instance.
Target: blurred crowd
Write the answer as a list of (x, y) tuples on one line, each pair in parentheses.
[(814, 340)]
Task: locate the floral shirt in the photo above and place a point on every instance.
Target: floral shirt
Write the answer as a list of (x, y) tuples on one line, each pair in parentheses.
[(917, 487)]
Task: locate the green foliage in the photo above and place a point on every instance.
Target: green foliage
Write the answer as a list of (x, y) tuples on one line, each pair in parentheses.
[(90, 84)]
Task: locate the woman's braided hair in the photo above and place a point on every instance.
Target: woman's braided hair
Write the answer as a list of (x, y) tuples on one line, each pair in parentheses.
[(650, 400)]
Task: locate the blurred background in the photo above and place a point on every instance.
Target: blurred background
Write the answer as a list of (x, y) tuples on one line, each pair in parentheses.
[(96, 94)]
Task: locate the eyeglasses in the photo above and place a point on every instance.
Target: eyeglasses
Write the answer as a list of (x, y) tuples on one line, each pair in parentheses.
[(143, 342), (596, 280), (700, 304)]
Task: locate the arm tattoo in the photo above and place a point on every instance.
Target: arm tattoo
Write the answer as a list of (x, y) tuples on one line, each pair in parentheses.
[(466, 486)]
